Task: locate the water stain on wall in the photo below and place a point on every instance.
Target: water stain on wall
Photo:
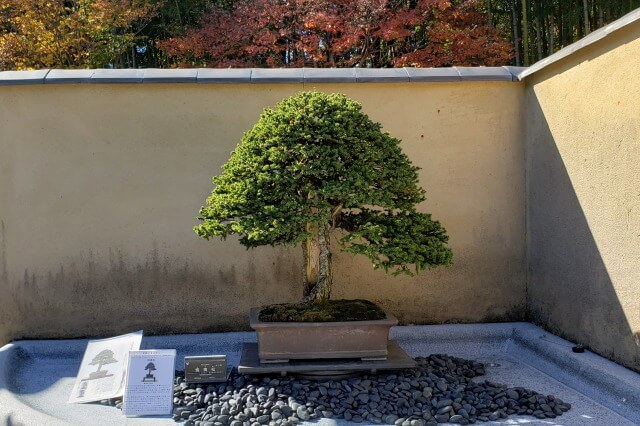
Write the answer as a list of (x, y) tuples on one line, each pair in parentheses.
[(92, 296)]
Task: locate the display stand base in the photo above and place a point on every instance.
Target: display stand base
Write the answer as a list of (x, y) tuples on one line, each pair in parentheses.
[(397, 359)]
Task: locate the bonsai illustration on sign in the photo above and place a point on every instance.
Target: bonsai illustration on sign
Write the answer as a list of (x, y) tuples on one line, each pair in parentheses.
[(103, 358), (315, 164), (150, 377)]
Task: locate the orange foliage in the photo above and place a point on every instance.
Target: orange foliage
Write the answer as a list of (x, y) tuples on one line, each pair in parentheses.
[(342, 33)]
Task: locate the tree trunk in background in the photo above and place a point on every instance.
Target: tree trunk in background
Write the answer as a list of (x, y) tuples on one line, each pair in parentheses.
[(489, 18), (514, 29), (539, 37), (600, 16), (551, 48), (525, 35), (585, 8), (317, 265)]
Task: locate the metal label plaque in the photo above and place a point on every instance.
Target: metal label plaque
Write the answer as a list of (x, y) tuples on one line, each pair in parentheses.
[(205, 369)]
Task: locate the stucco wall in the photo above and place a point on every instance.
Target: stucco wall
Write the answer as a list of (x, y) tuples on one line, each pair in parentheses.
[(100, 186), (583, 184)]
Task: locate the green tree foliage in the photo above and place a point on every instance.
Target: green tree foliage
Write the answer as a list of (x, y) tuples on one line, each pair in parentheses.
[(314, 163)]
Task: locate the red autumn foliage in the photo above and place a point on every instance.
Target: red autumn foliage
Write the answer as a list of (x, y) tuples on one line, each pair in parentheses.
[(342, 33)]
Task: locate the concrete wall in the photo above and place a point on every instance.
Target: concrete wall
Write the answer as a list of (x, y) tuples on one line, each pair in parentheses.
[(583, 202), (100, 185)]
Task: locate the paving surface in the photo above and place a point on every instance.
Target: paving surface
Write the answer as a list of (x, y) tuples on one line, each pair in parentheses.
[(36, 377)]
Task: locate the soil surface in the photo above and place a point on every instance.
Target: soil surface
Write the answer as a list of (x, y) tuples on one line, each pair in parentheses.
[(331, 310)]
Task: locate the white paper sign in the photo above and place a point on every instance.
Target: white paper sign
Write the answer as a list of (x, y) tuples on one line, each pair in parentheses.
[(149, 385), (103, 367)]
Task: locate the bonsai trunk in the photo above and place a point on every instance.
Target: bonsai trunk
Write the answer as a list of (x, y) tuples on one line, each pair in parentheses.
[(317, 269)]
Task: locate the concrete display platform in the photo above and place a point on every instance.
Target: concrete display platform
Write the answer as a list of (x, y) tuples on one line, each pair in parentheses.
[(250, 363), (36, 377)]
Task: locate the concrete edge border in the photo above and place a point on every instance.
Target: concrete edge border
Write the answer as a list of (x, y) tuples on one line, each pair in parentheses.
[(604, 381), (601, 380), (7, 355), (259, 75)]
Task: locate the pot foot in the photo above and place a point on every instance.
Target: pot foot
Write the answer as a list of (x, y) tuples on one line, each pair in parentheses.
[(374, 358), (274, 361)]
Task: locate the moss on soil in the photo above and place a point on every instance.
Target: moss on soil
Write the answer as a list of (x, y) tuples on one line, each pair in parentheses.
[(331, 310)]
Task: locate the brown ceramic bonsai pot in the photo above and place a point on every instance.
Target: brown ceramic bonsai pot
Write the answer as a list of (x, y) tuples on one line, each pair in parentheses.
[(282, 341)]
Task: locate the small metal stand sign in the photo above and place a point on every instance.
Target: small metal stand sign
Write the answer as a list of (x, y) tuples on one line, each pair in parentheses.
[(206, 369)]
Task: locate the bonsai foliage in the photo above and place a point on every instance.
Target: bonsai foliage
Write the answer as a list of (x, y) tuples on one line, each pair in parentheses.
[(315, 163)]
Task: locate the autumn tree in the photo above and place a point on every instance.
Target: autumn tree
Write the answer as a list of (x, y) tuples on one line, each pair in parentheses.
[(69, 33), (172, 19), (459, 36), (342, 33)]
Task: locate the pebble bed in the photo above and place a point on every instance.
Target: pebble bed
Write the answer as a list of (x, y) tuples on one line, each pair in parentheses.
[(439, 390)]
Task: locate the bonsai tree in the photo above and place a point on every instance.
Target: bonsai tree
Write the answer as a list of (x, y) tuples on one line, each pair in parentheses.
[(150, 367), (316, 163)]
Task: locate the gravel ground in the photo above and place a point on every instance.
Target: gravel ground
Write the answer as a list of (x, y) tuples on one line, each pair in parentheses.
[(440, 390)]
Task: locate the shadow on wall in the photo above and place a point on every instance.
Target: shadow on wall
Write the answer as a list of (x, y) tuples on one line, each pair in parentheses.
[(570, 291)]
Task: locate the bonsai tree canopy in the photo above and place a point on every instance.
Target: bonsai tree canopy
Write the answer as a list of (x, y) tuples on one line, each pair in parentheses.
[(315, 163)]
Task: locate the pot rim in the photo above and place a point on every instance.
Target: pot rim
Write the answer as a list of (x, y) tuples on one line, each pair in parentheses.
[(255, 322)]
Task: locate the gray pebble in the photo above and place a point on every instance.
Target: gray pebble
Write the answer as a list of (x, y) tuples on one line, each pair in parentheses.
[(512, 394), (390, 419), (302, 413)]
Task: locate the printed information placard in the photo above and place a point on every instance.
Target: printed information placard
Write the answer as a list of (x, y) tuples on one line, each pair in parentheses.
[(103, 367), (149, 385)]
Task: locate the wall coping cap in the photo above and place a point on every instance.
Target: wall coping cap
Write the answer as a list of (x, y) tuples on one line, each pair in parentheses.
[(277, 75), (597, 35), (172, 75), (484, 74), (56, 76), (433, 74), (259, 75), (8, 78), (381, 75), (224, 75), (329, 75), (103, 75)]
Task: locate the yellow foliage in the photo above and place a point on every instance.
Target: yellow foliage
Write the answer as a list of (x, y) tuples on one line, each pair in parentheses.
[(69, 34)]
